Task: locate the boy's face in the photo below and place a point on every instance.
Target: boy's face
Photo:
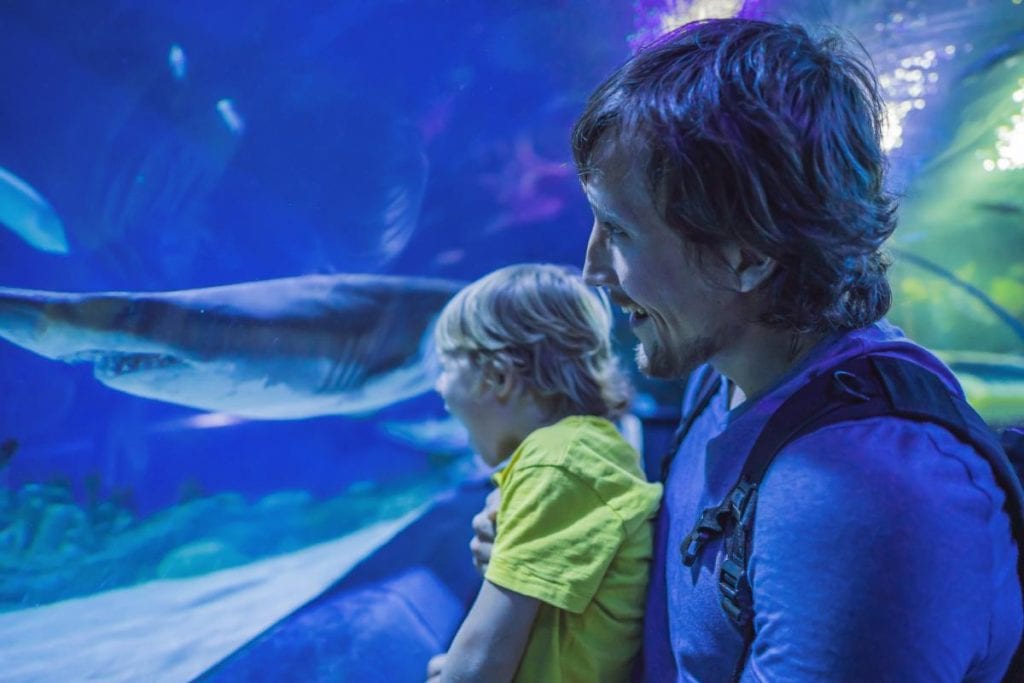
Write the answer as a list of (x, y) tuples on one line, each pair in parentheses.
[(472, 401)]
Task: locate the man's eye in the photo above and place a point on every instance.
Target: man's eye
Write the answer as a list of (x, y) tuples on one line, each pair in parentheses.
[(613, 230)]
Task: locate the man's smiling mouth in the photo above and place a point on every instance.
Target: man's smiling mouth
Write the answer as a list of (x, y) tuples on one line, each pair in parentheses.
[(636, 314)]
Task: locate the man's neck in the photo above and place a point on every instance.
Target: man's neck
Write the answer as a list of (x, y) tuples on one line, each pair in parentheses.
[(761, 356)]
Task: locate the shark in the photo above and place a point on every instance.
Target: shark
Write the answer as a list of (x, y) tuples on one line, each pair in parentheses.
[(287, 348), (30, 216)]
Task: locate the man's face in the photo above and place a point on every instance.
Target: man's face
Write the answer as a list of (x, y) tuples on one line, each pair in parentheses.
[(679, 315)]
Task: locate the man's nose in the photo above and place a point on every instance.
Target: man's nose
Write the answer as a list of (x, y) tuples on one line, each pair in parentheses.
[(597, 270)]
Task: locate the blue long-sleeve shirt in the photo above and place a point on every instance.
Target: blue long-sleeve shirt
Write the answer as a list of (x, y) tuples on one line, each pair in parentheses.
[(880, 550)]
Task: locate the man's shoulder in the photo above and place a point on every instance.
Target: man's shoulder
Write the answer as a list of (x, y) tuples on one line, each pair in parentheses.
[(886, 464), (878, 339), (908, 446)]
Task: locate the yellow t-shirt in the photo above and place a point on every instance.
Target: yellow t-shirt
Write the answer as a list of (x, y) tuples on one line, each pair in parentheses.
[(575, 532)]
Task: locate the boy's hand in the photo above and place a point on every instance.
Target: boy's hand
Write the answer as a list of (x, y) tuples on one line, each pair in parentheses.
[(434, 667), (484, 530)]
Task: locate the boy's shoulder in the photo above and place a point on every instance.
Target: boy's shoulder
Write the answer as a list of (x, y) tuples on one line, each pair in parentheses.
[(574, 443), (591, 451)]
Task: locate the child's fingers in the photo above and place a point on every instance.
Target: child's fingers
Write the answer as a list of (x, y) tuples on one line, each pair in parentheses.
[(483, 540), (484, 531), (434, 667), (483, 525), (493, 502), (481, 554)]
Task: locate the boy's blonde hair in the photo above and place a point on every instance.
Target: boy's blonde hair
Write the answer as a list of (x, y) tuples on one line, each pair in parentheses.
[(545, 325)]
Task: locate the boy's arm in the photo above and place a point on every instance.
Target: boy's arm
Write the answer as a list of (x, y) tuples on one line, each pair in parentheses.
[(492, 639)]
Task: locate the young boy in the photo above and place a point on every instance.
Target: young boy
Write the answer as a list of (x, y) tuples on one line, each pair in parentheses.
[(527, 368)]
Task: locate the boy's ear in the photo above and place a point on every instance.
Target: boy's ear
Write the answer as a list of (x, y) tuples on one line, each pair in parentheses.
[(505, 384), (501, 381), (748, 269)]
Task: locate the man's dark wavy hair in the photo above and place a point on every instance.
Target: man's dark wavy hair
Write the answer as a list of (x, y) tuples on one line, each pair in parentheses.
[(762, 135)]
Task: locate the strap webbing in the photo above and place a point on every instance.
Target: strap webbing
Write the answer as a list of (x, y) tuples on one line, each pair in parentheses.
[(706, 391)]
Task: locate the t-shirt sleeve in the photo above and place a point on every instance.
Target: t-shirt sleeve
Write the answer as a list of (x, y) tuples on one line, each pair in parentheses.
[(555, 539)]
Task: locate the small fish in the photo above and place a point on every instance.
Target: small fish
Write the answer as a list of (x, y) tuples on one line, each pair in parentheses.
[(7, 450), (178, 63), (232, 119), (1004, 208), (29, 216)]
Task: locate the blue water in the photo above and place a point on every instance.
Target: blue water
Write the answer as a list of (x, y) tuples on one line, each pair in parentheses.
[(351, 116), (176, 146)]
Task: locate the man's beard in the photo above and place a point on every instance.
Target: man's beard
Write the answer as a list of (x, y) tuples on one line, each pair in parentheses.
[(661, 364)]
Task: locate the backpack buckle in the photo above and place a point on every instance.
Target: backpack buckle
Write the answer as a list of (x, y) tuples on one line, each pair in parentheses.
[(736, 594), (738, 500), (692, 545), (707, 527)]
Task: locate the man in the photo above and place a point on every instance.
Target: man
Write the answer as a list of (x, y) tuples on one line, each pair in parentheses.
[(736, 177)]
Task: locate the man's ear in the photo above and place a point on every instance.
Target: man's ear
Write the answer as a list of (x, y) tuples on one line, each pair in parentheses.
[(747, 268)]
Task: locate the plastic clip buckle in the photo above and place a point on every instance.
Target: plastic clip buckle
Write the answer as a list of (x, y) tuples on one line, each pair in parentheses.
[(732, 580), (707, 528), (692, 545)]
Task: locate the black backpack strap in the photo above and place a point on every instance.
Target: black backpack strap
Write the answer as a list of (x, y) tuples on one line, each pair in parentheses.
[(706, 389), (859, 388)]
